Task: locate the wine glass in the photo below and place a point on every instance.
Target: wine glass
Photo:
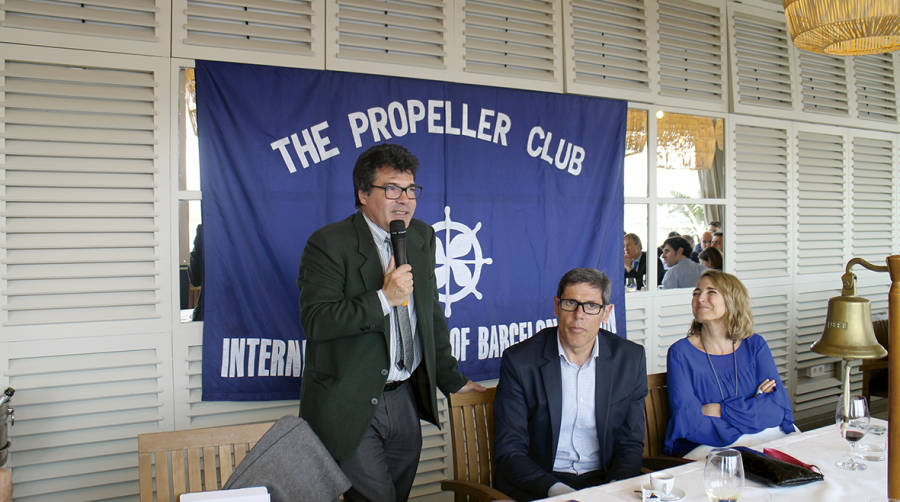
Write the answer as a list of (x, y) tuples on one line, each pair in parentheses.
[(723, 476), (852, 424), (630, 284)]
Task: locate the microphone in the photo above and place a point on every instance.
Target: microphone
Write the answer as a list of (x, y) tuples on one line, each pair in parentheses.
[(398, 243)]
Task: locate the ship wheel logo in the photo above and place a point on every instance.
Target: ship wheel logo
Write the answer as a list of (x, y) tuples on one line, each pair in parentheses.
[(454, 256)]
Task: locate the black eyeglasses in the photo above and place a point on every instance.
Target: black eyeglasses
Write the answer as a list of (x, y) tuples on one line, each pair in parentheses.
[(589, 308), (393, 191)]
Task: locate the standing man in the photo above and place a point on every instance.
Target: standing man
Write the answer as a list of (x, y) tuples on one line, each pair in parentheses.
[(681, 271), (569, 410), (377, 343), (635, 260)]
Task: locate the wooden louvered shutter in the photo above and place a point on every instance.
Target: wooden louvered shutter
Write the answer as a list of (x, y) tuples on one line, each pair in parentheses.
[(871, 198), (875, 87), (761, 207), (278, 32), (820, 203), (82, 216), (137, 26), (607, 47), (513, 42), (823, 84), (760, 60), (692, 51), (388, 38)]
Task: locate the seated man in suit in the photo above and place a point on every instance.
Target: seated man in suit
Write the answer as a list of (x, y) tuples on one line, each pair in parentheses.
[(569, 411), (635, 260)]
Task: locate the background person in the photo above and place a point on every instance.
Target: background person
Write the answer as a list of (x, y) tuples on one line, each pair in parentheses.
[(711, 258), (361, 392), (569, 411), (705, 242), (635, 260), (195, 271), (681, 271), (718, 242), (724, 387)]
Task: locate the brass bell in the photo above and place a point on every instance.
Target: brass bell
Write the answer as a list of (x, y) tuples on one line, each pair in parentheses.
[(848, 332)]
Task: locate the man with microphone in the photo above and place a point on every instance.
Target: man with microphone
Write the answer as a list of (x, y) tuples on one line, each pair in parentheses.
[(377, 343)]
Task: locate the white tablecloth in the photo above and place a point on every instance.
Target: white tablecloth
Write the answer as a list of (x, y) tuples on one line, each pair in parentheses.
[(821, 447)]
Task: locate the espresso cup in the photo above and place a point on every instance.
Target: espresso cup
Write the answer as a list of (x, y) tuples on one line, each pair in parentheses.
[(662, 482)]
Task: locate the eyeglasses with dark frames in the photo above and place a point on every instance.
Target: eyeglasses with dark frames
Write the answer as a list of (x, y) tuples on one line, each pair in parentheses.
[(589, 308), (392, 191)]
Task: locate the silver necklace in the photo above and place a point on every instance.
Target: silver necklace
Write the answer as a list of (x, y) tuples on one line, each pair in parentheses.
[(716, 374)]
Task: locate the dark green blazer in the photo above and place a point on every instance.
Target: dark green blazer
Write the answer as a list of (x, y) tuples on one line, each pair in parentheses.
[(347, 335)]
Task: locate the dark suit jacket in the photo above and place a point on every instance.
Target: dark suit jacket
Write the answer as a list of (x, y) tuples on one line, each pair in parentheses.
[(528, 409), (347, 334), (639, 273)]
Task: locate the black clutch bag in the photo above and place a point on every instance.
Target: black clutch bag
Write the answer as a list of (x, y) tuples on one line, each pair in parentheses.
[(773, 472)]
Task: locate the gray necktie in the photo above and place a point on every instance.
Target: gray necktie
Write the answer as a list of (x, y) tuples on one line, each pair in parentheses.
[(401, 314)]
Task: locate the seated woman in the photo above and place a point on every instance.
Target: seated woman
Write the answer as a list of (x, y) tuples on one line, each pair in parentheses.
[(724, 387)]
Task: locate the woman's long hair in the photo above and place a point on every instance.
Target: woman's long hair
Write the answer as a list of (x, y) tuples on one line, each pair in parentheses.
[(738, 315)]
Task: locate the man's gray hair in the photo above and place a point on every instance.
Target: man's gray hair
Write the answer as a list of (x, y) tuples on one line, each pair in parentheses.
[(590, 276), (635, 239)]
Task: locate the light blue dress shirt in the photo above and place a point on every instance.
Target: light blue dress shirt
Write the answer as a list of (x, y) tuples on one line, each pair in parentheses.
[(578, 450)]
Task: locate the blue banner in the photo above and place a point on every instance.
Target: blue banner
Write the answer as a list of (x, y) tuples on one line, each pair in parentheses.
[(519, 186)]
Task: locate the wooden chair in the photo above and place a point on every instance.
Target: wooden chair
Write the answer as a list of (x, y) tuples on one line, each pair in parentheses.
[(875, 371), (656, 419), (192, 460), (472, 438)]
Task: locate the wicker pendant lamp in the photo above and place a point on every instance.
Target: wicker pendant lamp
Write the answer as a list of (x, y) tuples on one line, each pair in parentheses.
[(844, 27)]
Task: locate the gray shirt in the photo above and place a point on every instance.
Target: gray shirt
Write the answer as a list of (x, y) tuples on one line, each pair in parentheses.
[(683, 274)]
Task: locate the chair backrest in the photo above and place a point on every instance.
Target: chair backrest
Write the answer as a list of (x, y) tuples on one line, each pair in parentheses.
[(472, 436), (192, 460), (656, 415), (882, 332)]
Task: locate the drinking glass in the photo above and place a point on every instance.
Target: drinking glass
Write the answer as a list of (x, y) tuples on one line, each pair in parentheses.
[(723, 476), (852, 424), (630, 284)]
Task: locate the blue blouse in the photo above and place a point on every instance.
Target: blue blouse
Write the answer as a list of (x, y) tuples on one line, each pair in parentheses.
[(692, 384)]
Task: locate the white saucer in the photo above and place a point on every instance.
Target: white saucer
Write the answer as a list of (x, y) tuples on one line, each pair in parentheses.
[(677, 495)]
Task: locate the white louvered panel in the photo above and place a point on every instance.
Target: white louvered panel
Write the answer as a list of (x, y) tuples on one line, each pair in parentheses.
[(276, 32), (761, 202), (607, 42), (691, 50), (637, 323), (435, 462), (673, 320), (820, 203), (760, 58), (516, 39), (871, 196), (215, 413), (129, 25), (875, 287), (79, 408), (824, 84), (407, 34), (771, 312), (810, 308), (876, 92), (284, 26), (80, 193)]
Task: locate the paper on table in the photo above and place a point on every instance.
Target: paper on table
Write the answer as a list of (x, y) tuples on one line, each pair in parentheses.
[(254, 494)]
